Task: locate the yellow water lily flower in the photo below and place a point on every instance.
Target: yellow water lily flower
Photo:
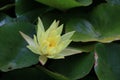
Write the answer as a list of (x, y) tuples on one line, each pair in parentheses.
[(49, 43)]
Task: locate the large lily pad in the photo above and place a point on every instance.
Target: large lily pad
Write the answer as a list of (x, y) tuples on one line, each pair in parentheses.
[(101, 25), (54, 75), (107, 61), (13, 53), (73, 67)]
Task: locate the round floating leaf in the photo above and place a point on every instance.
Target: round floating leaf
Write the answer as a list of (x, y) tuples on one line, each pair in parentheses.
[(65, 4), (107, 61), (101, 25), (73, 67), (13, 51)]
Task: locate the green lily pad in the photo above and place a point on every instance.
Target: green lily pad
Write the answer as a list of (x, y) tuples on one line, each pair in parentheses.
[(107, 61), (54, 75), (65, 4), (73, 67), (13, 51), (101, 25)]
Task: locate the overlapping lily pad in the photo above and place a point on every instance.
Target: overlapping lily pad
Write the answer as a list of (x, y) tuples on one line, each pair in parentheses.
[(102, 24), (73, 67), (13, 53), (107, 60)]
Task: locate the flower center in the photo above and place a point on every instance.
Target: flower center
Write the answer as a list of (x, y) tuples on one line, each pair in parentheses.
[(52, 43)]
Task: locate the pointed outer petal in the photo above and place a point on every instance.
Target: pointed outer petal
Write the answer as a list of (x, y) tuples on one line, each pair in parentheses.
[(40, 29), (40, 25), (43, 59), (59, 29), (53, 26), (28, 39), (55, 32), (63, 45), (34, 49), (69, 51), (67, 36)]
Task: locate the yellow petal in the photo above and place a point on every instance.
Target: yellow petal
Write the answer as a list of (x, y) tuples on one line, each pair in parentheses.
[(40, 29), (66, 52), (70, 51), (52, 27), (63, 45), (40, 25), (59, 29), (67, 35), (34, 49)]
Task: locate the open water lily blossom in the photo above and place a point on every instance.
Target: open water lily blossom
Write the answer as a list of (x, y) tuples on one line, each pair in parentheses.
[(49, 43)]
